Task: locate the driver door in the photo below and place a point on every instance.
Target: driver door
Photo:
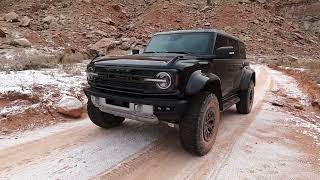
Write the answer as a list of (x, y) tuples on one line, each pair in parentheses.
[(225, 67)]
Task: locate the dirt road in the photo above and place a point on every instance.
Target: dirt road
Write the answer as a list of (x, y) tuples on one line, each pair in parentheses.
[(266, 144)]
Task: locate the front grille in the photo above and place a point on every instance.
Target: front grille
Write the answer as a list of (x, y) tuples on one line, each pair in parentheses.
[(127, 80)]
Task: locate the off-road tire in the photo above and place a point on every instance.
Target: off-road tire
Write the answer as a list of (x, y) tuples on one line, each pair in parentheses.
[(244, 106), (192, 127), (102, 119)]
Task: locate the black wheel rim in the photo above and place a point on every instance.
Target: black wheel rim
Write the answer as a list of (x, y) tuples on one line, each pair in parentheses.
[(208, 128)]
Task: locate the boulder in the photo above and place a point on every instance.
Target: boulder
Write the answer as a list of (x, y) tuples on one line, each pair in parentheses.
[(25, 21), (103, 46), (70, 106), (125, 46), (2, 33), (49, 19), (23, 42), (11, 17)]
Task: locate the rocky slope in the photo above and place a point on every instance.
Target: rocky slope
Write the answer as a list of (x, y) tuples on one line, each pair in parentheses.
[(78, 25)]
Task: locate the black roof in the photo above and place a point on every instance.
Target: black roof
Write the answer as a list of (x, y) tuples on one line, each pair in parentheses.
[(201, 31)]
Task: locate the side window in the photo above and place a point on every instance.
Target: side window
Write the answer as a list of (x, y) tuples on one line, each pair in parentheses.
[(235, 45), (220, 42)]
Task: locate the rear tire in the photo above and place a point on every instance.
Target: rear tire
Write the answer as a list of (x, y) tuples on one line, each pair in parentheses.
[(198, 129), (101, 119), (246, 100)]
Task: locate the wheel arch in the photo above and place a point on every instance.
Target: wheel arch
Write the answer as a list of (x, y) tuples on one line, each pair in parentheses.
[(247, 76), (208, 82)]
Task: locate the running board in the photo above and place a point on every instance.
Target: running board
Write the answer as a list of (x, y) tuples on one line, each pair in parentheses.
[(227, 103)]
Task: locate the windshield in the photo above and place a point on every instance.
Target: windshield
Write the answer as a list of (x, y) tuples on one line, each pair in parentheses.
[(185, 43)]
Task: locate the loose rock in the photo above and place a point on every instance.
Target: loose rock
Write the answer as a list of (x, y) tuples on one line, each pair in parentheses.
[(49, 19), (70, 106), (206, 8), (23, 42), (298, 106), (2, 34), (125, 46), (11, 17), (25, 21)]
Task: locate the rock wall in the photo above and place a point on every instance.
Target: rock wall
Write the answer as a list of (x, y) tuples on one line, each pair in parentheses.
[(305, 12)]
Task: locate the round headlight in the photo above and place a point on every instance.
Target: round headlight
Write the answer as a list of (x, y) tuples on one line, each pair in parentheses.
[(166, 80), (90, 69)]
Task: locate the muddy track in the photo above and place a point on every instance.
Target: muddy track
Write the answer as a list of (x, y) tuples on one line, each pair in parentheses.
[(144, 151)]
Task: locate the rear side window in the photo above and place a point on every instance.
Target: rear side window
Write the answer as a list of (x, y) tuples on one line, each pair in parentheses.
[(235, 45), (220, 42)]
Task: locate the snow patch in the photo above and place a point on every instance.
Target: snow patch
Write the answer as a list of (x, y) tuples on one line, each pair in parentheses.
[(290, 86)]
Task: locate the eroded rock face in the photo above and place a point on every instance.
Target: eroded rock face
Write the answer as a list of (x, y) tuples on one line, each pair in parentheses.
[(70, 106), (305, 13)]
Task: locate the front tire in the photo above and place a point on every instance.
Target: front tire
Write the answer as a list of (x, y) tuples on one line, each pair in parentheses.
[(198, 129), (246, 100), (101, 119)]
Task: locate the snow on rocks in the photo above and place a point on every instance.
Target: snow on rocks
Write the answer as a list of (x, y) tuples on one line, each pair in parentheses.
[(290, 86), (23, 82), (48, 85), (70, 106), (24, 58), (307, 128)]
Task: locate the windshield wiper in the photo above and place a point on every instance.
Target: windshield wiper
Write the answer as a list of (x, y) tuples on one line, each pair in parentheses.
[(152, 52), (177, 52), (169, 52)]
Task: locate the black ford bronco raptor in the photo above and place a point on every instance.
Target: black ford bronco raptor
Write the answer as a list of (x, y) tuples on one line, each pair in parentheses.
[(181, 77)]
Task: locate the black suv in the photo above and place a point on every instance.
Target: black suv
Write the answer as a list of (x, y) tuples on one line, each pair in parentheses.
[(182, 77)]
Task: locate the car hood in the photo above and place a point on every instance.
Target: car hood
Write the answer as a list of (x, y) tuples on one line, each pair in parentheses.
[(141, 60)]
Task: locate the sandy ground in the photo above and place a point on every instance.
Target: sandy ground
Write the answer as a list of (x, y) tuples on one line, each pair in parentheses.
[(269, 143)]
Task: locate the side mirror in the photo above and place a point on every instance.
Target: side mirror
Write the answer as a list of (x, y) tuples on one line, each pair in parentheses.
[(135, 51), (225, 52)]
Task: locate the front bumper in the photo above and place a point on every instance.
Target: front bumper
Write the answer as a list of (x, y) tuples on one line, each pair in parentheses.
[(163, 109)]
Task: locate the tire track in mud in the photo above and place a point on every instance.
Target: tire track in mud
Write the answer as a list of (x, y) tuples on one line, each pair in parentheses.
[(167, 160), (86, 150)]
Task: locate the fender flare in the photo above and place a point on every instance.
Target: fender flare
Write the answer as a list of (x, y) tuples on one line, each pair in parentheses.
[(247, 76), (199, 81)]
